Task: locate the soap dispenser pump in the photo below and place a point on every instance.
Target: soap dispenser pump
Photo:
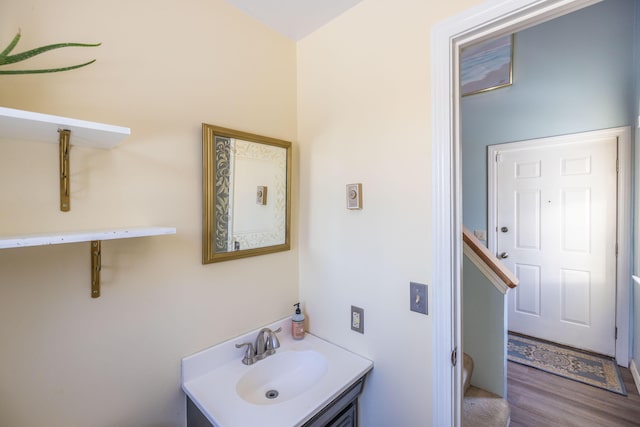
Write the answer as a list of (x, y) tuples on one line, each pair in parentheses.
[(297, 323)]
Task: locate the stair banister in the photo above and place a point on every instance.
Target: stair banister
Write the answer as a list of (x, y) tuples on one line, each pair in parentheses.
[(501, 277)]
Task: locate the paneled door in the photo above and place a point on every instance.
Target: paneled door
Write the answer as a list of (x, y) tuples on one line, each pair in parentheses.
[(556, 218)]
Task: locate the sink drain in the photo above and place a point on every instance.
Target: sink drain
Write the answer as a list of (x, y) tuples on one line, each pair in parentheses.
[(271, 394)]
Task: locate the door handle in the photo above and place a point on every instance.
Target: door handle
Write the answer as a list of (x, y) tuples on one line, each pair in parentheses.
[(504, 255), (504, 229)]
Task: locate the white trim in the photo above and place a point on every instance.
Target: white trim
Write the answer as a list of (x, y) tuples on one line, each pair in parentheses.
[(624, 263), (447, 236), (636, 373), (484, 269), (492, 18), (623, 267)]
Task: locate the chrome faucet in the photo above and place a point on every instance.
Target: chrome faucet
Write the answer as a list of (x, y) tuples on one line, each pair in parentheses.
[(266, 345), (249, 354)]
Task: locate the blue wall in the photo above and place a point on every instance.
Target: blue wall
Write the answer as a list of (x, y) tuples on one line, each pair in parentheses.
[(571, 74), (484, 329)]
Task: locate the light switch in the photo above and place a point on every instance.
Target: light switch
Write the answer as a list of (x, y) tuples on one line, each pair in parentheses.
[(354, 196), (418, 297)]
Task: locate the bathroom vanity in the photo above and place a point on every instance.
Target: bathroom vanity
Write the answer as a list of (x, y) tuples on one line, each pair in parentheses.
[(307, 383), (342, 412)]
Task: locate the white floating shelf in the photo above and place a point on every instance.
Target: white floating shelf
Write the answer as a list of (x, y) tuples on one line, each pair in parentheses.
[(29, 126), (81, 236)]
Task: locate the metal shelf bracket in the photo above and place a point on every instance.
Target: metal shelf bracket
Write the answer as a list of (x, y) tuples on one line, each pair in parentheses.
[(65, 146), (96, 266)]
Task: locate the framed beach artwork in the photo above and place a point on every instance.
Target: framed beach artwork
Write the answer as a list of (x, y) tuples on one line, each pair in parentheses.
[(487, 65)]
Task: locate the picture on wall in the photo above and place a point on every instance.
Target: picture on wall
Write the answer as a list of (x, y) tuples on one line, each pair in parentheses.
[(487, 65)]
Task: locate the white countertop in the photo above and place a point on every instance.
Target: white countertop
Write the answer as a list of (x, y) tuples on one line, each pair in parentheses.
[(210, 377)]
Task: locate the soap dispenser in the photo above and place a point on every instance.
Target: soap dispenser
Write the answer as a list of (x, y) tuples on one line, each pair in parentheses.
[(297, 323)]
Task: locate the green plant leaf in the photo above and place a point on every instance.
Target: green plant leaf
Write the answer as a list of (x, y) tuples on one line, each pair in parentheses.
[(9, 48), (48, 70), (5, 58), (37, 51)]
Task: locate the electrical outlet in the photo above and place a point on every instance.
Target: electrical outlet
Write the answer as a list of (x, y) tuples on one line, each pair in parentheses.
[(357, 319), (418, 297)]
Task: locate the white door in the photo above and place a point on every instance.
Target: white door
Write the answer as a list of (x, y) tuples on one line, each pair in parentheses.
[(556, 217)]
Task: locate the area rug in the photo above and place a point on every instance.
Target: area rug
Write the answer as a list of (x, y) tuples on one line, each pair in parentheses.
[(597, 371)]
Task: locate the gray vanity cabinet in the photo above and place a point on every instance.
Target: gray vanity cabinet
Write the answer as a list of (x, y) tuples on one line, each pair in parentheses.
[(342, 412), (347, 418)]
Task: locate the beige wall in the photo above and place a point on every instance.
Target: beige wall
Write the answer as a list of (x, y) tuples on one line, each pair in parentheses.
[(355, 95), (163, 69), (364, 116)]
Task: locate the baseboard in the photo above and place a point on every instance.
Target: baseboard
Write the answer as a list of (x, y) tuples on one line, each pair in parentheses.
[(635, 372)]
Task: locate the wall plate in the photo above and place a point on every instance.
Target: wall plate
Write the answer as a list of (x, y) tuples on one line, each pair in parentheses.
[(357, 319), (261, 195), (354, 196), (418, 298)]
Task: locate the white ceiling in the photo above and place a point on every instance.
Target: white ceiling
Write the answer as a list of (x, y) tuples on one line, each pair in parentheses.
[(294, 18)]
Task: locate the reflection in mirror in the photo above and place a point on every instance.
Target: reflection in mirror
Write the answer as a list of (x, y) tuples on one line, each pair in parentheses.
[(246, 194), (244, 219)]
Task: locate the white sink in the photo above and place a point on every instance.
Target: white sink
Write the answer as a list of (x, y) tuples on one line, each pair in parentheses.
[(283, 376), (284, 389)]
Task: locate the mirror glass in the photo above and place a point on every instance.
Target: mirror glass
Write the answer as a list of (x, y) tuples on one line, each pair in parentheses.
[(246, 181)]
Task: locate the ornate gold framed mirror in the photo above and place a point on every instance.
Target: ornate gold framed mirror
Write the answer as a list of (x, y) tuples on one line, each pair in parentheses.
[(246, 188)]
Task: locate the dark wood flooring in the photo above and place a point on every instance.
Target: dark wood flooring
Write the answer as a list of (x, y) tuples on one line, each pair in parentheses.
[(537, 398)]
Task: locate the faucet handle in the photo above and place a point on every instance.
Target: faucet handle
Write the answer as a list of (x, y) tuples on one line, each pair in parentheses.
[(249, 354), (275, 338), (273, 342)]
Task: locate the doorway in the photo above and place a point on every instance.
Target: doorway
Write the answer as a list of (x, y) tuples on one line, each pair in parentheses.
[(481, 23), (554, 218)]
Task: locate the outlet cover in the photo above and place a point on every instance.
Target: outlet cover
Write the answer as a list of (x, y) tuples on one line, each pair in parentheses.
[(418, 297), (357, 319)]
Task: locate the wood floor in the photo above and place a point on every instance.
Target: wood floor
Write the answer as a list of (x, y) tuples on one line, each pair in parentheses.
[(537, 398)]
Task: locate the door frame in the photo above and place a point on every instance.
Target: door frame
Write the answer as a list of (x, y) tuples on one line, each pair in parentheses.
[(623, 217), (490, 19)]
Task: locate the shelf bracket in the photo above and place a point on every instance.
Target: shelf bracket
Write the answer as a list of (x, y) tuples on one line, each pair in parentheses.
[(65, 146), (96, 266)]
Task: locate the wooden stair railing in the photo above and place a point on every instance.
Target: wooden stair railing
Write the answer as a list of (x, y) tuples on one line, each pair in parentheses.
[(501, 277)]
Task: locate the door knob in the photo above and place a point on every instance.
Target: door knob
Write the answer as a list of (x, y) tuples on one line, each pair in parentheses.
[(504, 255), (504, 229)]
